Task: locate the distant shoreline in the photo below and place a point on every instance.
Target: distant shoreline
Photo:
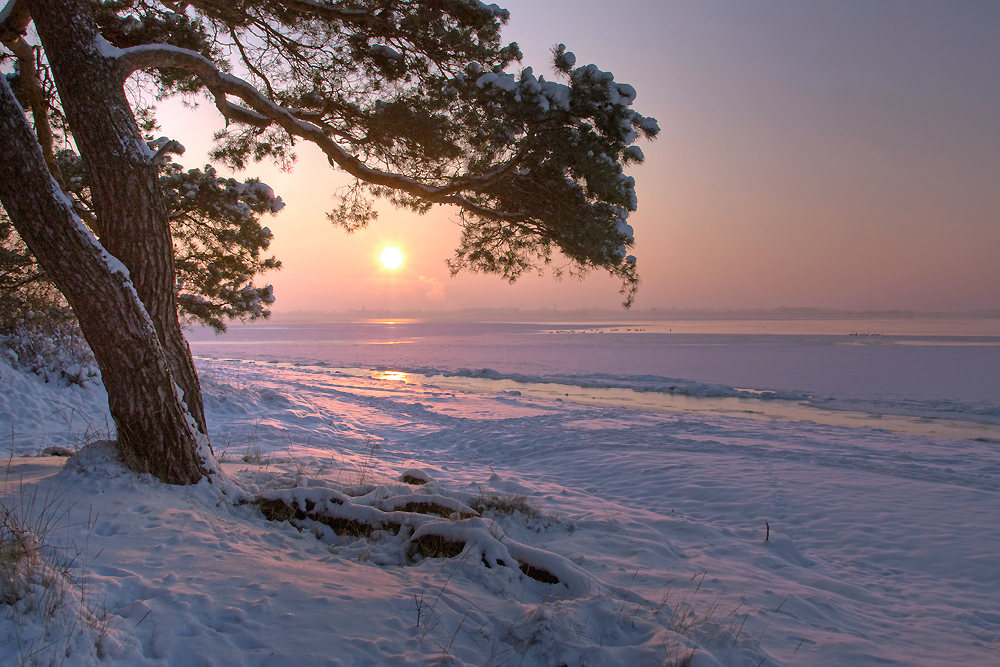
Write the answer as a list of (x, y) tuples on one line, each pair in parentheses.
[(601, 315)]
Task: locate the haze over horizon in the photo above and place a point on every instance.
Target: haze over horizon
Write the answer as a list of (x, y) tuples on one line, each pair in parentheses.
[(837, 156)]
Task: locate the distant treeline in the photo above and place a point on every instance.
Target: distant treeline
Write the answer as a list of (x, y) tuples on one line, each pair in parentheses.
[(618, 315)]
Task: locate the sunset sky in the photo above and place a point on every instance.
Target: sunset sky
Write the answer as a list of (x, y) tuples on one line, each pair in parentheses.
[(829, 154)]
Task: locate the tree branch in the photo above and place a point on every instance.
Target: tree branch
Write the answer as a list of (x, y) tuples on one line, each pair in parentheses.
[(14, 20), (35, 95), (253, 68), (262, 112), (482, 211), (324, 10)]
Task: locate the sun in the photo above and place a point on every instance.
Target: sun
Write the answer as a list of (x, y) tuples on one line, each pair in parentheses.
[(392, 258)]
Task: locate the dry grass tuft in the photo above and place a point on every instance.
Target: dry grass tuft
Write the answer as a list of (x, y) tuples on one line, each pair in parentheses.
[(47, 605), (505, 503)]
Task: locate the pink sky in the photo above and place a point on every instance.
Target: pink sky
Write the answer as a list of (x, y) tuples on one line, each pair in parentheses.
[(837, 155)]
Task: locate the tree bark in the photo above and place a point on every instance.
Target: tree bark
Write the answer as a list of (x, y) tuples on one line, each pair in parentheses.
[(155, 432), (130, 209)]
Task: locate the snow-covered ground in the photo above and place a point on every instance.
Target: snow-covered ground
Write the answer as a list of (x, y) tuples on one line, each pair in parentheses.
[(747, 539)]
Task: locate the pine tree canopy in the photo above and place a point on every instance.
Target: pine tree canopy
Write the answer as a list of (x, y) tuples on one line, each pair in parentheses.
[(418, 100)]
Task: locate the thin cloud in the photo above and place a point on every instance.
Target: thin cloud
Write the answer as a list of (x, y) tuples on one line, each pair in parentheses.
[(435, 289)]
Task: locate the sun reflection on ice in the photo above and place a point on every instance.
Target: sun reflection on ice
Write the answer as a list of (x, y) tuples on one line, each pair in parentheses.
[(393, 376)]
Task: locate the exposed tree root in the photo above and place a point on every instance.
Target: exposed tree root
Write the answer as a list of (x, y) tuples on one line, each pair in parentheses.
[(276, 509), (538, 574), (435, 546), (438, 525)]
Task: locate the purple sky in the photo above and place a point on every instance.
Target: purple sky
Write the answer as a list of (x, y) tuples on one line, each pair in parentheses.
[(831, 154)]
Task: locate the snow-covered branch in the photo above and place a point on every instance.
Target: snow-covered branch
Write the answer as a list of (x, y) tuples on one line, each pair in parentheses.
[(262, 112)]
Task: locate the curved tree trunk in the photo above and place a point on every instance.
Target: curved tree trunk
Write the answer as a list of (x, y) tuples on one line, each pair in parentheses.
[(155, 432), (130, 209)]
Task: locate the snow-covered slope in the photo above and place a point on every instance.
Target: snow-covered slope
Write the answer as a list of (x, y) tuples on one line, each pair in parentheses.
[(742, 540)]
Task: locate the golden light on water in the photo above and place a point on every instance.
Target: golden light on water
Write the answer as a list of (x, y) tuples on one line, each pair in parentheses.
[(394, 376), (391, 257)]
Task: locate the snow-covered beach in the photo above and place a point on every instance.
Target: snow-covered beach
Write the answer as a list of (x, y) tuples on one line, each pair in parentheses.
[(778, 497)]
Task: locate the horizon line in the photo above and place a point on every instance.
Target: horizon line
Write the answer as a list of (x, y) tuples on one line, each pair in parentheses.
[(665, 314)]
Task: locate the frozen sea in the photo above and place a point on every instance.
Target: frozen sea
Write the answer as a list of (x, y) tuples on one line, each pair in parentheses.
[(926, 377)]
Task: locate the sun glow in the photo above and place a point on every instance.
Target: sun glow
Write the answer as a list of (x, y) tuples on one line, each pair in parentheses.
[(392, 258)]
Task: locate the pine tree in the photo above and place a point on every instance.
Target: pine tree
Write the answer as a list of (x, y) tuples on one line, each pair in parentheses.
[(215, 221), (412, 98)]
